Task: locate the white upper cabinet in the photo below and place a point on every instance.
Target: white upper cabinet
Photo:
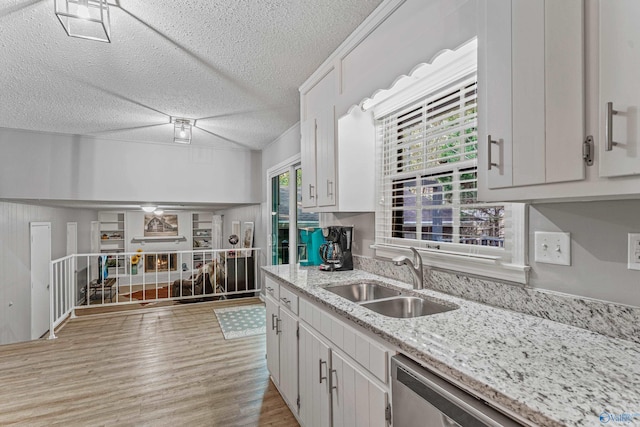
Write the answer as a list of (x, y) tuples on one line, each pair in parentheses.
[(317, 149), (619, 100), (531, 94), (337, 156)]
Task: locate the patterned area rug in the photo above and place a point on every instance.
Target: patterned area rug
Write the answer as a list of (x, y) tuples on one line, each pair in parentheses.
[(240, 322)]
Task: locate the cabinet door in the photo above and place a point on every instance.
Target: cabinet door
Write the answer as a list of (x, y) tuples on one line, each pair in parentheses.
[(273, 346), (532, 92), (289, 357), (326, 157), (619, 84), (356, 401), (308, 162), (318, 143), (314, 382)]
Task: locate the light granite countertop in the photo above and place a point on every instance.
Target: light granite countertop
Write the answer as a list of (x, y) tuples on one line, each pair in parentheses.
[(546, 372)]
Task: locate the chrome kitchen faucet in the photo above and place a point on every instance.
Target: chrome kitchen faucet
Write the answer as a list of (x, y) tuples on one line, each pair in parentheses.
[(416, 267)]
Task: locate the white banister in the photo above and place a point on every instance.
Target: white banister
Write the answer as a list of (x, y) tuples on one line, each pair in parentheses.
[(64, 285)]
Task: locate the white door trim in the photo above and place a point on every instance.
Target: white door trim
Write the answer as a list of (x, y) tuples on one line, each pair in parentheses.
[(40, 281)]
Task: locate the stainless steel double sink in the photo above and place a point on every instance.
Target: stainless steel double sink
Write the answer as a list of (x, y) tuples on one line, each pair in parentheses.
[(387, 301)]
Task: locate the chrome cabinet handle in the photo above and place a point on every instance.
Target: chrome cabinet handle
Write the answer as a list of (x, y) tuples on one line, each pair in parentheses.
[(278, 330), (311, 188), (285, 300), (329, 188), (609, 126), (322, 362), (331, 385), (273, 317), (270, 289), (490, 163)]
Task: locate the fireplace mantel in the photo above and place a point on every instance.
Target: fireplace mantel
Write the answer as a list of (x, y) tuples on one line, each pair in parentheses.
[(158, 239)]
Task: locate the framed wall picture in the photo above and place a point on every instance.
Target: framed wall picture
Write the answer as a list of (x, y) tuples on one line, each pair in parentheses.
[(160, 225), (235, 228), (246, 238)]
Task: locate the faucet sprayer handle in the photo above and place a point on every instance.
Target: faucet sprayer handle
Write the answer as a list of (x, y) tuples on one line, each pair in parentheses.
[(417, 259)]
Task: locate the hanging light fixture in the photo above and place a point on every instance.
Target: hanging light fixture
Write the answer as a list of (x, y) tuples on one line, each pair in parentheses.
[(182, 130), (85, 19)]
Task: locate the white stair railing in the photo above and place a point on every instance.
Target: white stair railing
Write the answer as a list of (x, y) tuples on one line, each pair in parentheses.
[(157, 276)]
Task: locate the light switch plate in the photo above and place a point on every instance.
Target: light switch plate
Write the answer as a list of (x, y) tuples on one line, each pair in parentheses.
[(553, 247), (634, 251)]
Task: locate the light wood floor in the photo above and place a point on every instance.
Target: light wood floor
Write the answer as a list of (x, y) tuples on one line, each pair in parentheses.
[(160, 366)]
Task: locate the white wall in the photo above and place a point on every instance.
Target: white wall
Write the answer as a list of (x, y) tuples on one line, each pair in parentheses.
[(286, 146), (67, 167), (15, 274)]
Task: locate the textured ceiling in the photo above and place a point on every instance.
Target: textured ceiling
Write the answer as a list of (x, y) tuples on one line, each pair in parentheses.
[(234, 65)]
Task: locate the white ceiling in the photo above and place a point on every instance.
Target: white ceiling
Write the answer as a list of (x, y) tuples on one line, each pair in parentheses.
[(234, 65)]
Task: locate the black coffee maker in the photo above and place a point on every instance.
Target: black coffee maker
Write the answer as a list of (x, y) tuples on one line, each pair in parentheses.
[(336, 252)]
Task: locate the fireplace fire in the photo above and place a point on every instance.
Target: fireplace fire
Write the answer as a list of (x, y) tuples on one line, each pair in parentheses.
[(160, 262)]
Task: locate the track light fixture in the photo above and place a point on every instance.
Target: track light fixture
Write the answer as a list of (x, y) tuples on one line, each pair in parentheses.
[(182, 130), (85, 19)]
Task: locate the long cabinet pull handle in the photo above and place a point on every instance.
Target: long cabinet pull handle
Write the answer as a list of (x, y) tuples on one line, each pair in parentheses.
[(273, 325), (278, 330), (490, 163), (311, 188), (322, 362), (329, 188), (609, 126), (331, 384)]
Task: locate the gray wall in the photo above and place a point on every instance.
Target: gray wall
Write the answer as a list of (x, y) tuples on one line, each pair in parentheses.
[(363, 231), (15, 259), (598, 249)]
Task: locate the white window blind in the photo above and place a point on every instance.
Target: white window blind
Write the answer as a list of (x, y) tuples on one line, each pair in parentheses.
[(428, 178)]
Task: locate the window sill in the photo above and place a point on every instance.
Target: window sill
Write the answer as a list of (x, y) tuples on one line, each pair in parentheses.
[(488, 266)]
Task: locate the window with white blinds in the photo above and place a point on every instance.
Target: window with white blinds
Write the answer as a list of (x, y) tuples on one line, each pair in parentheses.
[(428, 176)]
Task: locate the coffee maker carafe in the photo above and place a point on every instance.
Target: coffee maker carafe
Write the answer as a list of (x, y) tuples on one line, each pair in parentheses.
[(336, 252)]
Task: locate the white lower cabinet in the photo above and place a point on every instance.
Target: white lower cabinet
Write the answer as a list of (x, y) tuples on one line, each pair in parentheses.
[(343, 373), (315, 358), (288, 356), (329, 373), (356, 400), (282, 350), (273, 340)]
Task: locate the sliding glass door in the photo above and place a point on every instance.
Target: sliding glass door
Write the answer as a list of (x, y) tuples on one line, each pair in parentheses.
[(280, 218), (290, 227)]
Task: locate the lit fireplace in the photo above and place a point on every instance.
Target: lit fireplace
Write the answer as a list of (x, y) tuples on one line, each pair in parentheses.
[(160, 262)]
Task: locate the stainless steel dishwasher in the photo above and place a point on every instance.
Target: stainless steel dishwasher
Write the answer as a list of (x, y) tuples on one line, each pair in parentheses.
[(422, 399)]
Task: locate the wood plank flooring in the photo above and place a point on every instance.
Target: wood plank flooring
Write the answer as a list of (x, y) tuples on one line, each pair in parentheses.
[(158, 366)]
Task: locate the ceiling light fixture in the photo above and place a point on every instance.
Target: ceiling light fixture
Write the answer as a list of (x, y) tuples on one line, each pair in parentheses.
[(85, 19), (158, 212), (149, 208), (182, 130)]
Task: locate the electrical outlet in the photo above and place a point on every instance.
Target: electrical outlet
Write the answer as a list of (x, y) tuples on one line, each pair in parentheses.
[(633, 262), (553, 248)]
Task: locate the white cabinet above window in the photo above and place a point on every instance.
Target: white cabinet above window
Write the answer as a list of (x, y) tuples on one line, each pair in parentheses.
[(531, 95), (337, 155)]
